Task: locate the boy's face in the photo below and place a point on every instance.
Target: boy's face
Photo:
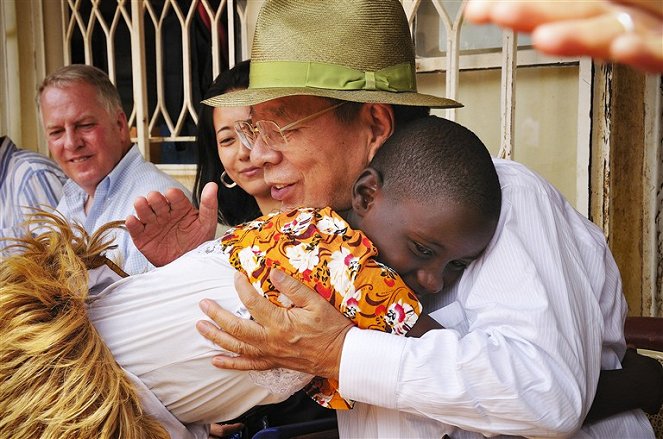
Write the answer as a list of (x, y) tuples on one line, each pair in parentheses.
[(428, 243)]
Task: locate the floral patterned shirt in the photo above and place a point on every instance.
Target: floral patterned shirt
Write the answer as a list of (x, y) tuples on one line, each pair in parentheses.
[(320, 249)]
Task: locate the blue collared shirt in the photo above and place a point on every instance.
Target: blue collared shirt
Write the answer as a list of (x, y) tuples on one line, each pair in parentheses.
[(27, 180), (113, 200)]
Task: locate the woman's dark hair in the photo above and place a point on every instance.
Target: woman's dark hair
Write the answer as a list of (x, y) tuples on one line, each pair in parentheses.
[(235, 205)]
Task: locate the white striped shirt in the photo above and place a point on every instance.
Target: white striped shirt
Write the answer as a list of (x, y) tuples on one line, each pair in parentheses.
[(529, 326), (27, 180)]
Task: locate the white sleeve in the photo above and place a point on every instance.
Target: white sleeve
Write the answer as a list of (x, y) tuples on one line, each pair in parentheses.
[(39, 188), (148, 323), (525, 358)]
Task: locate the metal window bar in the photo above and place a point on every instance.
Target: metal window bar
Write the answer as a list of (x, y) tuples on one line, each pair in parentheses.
[(152, 119), (149, 114)]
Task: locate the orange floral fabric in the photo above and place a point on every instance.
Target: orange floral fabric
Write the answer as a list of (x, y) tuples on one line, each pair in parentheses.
[(319, 248)]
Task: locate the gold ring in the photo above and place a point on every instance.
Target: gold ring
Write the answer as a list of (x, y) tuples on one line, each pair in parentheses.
[(626, 21)]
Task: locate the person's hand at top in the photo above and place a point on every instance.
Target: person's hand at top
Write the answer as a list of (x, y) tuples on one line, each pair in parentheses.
[(167, 225), (308, 338), (625, 31)]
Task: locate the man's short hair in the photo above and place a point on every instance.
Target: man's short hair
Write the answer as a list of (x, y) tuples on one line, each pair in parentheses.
[(107, 94), (402, 113)]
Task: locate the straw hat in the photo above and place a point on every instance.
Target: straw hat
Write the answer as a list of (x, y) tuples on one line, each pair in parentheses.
[(354, 50)]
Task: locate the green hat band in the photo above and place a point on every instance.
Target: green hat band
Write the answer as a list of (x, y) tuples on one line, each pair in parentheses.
[(274, 74)]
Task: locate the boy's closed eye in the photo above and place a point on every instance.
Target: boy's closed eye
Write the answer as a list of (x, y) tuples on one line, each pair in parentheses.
[(421, 250)]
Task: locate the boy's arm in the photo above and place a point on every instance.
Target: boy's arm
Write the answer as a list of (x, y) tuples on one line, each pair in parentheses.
[(639, 384), (424, 324)]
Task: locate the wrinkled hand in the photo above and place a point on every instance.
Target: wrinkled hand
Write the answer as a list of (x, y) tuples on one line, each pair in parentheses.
[(308, 338), (591, 28), (167, 225)]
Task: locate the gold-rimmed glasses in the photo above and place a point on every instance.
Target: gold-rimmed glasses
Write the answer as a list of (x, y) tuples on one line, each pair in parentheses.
[(270, 132)]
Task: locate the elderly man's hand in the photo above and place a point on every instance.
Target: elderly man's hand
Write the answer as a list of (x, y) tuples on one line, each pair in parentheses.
[(624, 31), (167, 225), (308, 338)]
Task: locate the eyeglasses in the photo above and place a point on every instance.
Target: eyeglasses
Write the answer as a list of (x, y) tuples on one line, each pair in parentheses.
[(270, 132)]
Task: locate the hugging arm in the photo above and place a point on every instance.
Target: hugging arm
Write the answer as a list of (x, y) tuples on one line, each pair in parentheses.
[(167, 225), (638, 385), (308, 338), (635, 386)]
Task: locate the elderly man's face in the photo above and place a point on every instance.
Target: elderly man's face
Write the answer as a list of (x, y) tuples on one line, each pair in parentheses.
[(322, 158)]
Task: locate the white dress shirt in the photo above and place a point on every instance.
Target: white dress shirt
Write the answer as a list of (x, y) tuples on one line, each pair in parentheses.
[(529, 326), (148, 322)]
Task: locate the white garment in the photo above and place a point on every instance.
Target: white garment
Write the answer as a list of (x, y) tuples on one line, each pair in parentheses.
[(529, 326), (148, 322)]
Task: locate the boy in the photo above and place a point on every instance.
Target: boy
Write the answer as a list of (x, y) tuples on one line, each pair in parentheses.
[(428, 227)]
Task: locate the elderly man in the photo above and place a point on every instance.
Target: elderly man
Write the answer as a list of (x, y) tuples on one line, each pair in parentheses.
[(28, 180), (88, 136), (530, 323)]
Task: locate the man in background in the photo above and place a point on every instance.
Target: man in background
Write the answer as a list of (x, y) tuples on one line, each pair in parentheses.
[(88, 136), (28, 180)]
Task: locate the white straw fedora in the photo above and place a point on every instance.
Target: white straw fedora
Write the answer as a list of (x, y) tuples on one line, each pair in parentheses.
[(354, 50)]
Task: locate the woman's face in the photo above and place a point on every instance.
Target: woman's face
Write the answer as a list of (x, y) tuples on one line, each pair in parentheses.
[(234, 157)]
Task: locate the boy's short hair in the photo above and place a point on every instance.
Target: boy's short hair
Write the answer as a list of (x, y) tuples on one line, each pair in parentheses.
[(432, 158)]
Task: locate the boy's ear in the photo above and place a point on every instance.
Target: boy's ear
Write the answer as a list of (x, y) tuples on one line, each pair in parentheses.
[(366, 188)]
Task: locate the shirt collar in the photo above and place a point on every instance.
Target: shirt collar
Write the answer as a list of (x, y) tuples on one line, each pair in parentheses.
[(110, 182), (119, 173)]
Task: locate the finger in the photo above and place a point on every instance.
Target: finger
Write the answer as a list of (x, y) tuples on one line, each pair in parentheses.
[(300, 294), (240, 363), (654, 7), (223, 339), (143, 211), (525, 16), (159, 205), (134, 226), (590, 37), (258, 306), (208, 211), (225, 429), (178, 201), (645, 53), (234, 330), (478, 11), (251, 358)]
